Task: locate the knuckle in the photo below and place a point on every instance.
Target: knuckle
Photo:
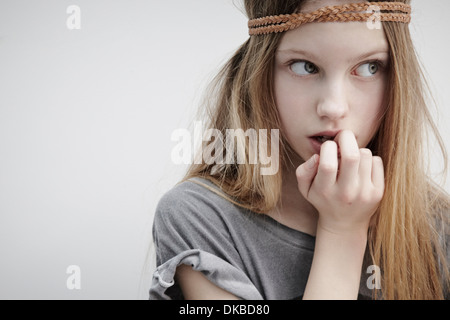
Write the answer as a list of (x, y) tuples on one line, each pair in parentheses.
[(348, 195), (325, 193), (347, 198), (351, 158), (328, 167)]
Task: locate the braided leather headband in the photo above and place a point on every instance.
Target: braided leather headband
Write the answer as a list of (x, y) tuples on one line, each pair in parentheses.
[(394, 11)]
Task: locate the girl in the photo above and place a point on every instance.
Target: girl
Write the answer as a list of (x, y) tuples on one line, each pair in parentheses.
[(351, 212)]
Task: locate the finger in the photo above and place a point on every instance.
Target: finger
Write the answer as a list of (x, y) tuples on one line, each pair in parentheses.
[(328, 165), (350, 157), (378, 173), (305, 175), (365, 166)]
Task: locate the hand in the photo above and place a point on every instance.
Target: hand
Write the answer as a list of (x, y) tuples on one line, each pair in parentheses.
[(346, 193)]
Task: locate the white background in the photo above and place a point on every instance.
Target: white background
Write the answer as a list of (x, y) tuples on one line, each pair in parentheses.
[(85, 123)]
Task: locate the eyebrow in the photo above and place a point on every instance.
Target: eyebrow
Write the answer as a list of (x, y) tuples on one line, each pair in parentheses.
[(297, 51), (311, 56)]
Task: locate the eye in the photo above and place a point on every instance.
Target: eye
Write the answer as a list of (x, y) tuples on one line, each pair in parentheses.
[(303, 68), (367, 69)]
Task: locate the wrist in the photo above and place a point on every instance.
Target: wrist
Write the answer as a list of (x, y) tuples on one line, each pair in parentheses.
[(337, 263), (355, 239), (343, 229)]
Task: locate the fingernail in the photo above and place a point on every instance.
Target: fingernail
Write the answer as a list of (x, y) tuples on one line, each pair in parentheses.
[(312, 162)]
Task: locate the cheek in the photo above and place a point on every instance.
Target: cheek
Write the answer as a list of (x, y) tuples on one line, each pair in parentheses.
[(292, 103), (368, 111)]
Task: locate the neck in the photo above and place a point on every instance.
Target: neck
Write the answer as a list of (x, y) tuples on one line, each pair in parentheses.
[(294, 210)]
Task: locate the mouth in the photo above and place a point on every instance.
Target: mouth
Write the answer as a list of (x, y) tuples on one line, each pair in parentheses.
[(325, 136), (322, 139)]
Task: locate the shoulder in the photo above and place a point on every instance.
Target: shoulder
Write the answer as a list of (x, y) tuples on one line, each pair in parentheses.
[(192, 215), (194, 190), (195, 209), (194, 225), (195, 199)]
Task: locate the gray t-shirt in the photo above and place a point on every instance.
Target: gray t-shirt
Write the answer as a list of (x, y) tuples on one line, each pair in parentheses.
[(247, 254)]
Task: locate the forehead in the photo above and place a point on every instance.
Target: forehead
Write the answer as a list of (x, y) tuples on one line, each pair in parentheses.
[(335, 38)]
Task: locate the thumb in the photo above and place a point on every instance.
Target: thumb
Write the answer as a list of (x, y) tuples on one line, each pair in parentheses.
[(306, 173)]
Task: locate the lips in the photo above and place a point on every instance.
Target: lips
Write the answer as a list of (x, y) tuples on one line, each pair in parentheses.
[(321, 137), (325, 136)]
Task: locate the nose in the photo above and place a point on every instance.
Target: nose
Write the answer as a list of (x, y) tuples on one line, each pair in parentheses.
[(333, 103)]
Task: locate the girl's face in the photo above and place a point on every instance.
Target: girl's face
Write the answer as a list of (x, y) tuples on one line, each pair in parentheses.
[(330, 77)]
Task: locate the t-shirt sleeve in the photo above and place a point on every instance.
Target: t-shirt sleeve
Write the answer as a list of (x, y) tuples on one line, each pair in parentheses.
[(189, 228)]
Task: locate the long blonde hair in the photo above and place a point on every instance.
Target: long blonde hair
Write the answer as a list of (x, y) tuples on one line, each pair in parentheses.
[(407, 237)]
